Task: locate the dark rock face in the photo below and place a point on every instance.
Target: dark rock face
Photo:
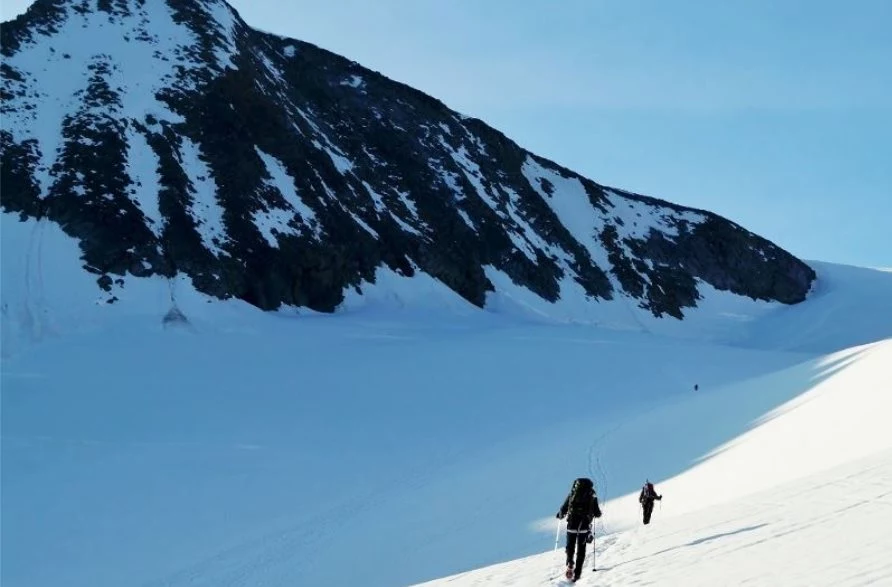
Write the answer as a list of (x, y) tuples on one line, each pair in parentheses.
[(182, 140)]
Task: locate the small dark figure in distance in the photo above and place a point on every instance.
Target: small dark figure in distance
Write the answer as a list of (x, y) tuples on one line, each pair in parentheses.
[(646, 499), (580, 508)]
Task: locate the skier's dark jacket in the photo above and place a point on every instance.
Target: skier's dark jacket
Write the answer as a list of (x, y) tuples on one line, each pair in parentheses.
[(580, 519), (648, 494)]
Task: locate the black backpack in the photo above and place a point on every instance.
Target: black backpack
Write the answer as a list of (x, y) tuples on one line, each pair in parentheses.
[(581, 494), (647, 492)]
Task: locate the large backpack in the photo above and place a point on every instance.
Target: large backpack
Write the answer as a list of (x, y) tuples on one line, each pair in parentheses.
[(647, 492), (581, 494)]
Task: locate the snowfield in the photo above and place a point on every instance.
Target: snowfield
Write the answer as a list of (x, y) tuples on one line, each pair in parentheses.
[(412, 436), (802, 498), (830, 528)]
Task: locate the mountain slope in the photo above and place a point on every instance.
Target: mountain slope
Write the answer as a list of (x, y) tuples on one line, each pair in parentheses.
[(822, 529), (169, 138), (800, 498)]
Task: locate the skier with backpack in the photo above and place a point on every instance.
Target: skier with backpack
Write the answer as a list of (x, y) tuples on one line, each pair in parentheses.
[(646, 499), (580, 508)]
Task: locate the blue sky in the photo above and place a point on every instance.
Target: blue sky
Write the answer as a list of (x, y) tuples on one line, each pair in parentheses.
[(776, 114)]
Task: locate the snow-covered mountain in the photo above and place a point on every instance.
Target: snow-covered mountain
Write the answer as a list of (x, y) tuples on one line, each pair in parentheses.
[(170, 138), (178, 189)]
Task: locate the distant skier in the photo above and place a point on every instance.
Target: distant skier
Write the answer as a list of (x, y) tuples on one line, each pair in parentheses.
[(580, 507), (646, 499)]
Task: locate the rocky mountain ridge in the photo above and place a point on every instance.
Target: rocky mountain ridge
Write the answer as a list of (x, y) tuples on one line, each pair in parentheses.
[(169, 137)]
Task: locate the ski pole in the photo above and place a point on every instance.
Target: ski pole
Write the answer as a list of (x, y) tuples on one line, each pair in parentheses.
[(557, 535), (594, 549)]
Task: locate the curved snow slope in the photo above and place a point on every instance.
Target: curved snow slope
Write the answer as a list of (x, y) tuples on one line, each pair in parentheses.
[(848, 306), (838, 413), (814, 469), (827, 528), (244, 448)]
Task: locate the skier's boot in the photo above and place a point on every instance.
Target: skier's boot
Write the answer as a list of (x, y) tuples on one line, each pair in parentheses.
[(569, 572)]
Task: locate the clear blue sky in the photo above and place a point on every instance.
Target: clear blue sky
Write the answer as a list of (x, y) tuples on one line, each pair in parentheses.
[(774, 113)]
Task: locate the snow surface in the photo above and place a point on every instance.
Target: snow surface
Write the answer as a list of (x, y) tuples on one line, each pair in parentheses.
[(637, 218), (340, 161), (472, 172), (633, 220), (338, 158), (450, 179), (354, 81), (205, 209), (274, 75), (380, 207), (364, 225), (250, 448), (135, 66), (142, 166), (572, 205), (821, 529), (279, 219), (225, 16)]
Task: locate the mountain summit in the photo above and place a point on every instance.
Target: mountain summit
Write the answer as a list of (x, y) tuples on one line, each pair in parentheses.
[(169, 137)]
